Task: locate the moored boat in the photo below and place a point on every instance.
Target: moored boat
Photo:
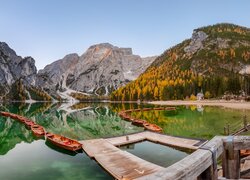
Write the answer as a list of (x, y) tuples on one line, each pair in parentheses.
[(38, 130), (5, 114), (152, 127), (29, 123), (127, 117), (159, 108), (147, 109), (139, 122), (13, 116), (170, 108), (136, 110), (63, 142), (22, 119), (128, 111)]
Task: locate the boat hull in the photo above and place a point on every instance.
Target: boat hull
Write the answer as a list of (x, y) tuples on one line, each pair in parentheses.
[(56, 141), (152, 127), (38, 130), (139, 122)]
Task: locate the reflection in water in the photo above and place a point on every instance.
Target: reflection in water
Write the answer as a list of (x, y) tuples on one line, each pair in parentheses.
[(63, 151), (23, 156), (196, 122), (80, 121), (28, 161), (200, 108), (165, 156)]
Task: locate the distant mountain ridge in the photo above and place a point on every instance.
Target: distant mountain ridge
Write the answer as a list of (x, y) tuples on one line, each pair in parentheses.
[(215, 60), (18, 76), (99, 71)]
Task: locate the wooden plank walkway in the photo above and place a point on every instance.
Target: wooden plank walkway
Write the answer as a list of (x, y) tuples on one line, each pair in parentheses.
[(178, 142), (123, 165), (120, 164), (128, 139)]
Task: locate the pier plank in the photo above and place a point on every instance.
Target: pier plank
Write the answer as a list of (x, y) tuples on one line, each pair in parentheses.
[(128, 139), (119, 163), (164, 139), (172, 141), (123, 165)]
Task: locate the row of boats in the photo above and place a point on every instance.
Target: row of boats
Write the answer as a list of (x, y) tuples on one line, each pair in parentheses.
[(39, 131), (126, 115)]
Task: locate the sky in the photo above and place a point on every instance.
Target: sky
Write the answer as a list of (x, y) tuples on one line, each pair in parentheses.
[(47, 30)]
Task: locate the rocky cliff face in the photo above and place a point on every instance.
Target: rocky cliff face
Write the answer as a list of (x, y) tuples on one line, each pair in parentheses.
[(15, 68), (53, 75), (100, 70)]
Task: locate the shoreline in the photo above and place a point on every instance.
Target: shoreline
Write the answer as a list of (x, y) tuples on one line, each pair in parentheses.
[(223, 103)]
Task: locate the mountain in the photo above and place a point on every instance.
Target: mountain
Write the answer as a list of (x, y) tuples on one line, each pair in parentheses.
[(99, 71), (215, 60), (17, 76), (13, 67)]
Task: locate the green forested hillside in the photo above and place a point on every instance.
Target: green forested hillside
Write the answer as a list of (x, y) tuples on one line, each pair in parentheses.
[(215, 60)]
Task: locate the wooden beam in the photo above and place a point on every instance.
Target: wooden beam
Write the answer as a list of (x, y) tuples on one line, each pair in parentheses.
[(210, 174), (241, 142), (193, 165), (231, 164)]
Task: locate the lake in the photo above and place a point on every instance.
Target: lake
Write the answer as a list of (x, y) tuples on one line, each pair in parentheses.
[(23, 156)]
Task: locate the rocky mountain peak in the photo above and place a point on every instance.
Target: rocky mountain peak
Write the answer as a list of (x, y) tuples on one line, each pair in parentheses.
[(102, 45), (196, 42), (15, 69), (6, 50), (104, 48), (100, 70)]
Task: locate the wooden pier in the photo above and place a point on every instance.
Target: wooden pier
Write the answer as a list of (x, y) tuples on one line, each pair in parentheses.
[(120, 164), (123, 165), (179, 142)]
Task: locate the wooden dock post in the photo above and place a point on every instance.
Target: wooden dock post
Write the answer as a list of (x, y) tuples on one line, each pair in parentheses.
[(209, 174), (230, 159)]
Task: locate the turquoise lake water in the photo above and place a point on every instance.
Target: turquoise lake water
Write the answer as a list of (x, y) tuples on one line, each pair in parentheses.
[(23, 156)]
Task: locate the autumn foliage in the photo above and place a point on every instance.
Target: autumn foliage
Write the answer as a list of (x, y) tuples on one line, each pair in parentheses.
[(212, 69)]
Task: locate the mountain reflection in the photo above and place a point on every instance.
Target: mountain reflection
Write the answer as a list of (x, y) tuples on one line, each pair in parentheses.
[(78, 121)]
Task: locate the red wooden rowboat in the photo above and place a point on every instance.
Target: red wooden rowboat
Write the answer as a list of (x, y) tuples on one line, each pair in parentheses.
[(152, 127), (136, 110), (22, 119), (170, 108), (139, 122), (14, 116), (127, 117), (147, 109), (38, 130), (64, 142), (159, 108), (29, 123), (5, 114), (128, 111)]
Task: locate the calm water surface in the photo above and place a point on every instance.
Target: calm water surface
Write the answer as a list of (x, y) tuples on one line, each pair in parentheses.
[(197, 122), (155, 153), (22, 156)]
